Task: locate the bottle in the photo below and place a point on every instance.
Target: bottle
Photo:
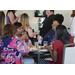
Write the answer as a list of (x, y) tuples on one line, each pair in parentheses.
[(40, 40)]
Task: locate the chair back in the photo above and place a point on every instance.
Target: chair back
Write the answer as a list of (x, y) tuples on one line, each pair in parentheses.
[(69, 54)]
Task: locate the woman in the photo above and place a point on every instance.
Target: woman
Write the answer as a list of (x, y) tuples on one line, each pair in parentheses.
[(20, 33), (2, 21), (27, 59), (10, 47), (50, 36), (10, 17), (62, 38), (25, 22), (72, 24)]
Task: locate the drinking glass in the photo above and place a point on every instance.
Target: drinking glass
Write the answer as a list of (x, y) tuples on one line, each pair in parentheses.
[(36, 45), (45, 43)]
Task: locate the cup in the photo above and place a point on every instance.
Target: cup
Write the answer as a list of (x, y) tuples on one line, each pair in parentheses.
[(45, 43), (26, 40), (36, 45)]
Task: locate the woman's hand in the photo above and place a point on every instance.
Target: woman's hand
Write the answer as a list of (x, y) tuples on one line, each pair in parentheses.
[(30, 45), (19, 16), (24, 36), (34, 33), (39, 37), (47, 47)]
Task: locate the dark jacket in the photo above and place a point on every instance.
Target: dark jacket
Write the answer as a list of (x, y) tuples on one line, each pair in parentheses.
[(50, 37), (47, 25)]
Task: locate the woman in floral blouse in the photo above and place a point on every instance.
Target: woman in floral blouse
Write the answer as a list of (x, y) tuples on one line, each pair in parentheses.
[(11, 49)]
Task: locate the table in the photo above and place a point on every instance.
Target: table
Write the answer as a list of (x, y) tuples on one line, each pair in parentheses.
[(39, 52)]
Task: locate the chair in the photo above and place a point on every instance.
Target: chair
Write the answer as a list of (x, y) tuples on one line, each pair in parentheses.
[(69, 54)]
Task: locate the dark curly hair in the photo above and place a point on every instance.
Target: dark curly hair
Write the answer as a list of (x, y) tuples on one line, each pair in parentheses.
[(59, 18)]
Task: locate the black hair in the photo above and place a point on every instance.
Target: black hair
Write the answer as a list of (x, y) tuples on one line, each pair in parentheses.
[(13, 11), (52, 11), (59, 18), (17, 24), (62, 34)]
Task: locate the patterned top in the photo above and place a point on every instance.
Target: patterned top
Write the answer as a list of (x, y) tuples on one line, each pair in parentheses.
[(11, 50)]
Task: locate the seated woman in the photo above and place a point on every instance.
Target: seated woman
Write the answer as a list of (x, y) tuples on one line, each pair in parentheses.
[(62, 37), (11, 48), (22, 36), (2, 21), (50, 36), (20, 33)]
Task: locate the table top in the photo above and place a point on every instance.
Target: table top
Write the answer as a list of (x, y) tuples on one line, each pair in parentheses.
[(40, 51)]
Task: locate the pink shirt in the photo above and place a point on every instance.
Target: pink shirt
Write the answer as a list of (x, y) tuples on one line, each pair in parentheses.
[(13, 52)]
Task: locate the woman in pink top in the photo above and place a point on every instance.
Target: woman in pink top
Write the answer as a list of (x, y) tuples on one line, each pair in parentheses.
[(63, 37), (11, 49)]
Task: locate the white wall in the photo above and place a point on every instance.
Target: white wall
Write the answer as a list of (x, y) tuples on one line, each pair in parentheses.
[(34, 21)]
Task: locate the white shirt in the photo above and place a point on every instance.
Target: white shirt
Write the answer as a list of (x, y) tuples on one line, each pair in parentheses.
[(72, 26)]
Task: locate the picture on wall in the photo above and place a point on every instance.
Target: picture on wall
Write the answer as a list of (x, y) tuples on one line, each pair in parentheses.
[(39, 13)]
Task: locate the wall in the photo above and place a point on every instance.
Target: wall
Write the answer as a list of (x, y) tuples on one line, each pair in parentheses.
[(34, 21)]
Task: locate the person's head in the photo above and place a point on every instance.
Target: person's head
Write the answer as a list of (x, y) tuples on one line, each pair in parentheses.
[(2, 21), (49, 12), (13, 11), (19, 27), (62, 34), (24, 20), (73, 13), (9, 31), (58, 19)]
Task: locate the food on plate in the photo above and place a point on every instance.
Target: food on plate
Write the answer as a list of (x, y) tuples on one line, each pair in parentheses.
[(32, 45), (33, 48)]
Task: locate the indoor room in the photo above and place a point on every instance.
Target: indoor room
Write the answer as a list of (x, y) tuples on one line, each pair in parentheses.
[(37, 37)]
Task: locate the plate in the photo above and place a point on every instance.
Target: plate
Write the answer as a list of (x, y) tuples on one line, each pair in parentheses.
[(44, 50), (33, 49), (48, 59)]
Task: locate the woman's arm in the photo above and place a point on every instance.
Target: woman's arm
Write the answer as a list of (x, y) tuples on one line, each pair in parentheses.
[(53, 53), (30, 32), (11, 17), (19, 46)]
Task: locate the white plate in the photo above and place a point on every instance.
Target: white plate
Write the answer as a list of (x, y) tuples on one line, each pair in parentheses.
[(33, 48), (44, 50), (49, 59)]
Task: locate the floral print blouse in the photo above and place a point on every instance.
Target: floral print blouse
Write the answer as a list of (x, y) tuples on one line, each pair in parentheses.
[(11, 50)]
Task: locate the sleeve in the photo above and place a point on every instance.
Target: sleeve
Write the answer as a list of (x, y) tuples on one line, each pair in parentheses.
[(19, 46), (45, 38), (49, 36), (22, 48), (71, 39), (1, 45), (55, 46), (30, 41)]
